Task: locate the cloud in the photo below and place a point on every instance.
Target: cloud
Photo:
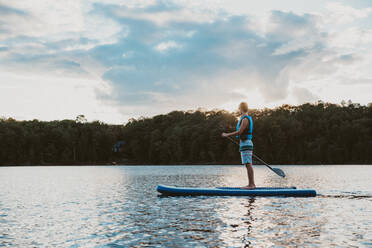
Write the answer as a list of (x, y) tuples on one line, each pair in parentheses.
[(166, 45), (170, 55), (294, 32), (303, 95), (340, 13), (10, 15), (163, 12), (8, 11), (202, 59), (57, 22)]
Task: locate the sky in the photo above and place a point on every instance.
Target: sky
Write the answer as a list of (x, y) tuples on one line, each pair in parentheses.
[(113, 60)]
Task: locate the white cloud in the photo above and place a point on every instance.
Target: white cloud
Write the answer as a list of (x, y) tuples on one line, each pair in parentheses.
[(52, 98), (162, 18), (351, 39), (167, 45), (339, 13), (56, 21), (303, 95), (179, 55)]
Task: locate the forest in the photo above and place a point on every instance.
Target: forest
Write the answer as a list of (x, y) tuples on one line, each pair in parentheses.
[(319, 133)]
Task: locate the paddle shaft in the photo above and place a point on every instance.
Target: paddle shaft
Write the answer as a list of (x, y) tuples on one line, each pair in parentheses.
[(268, 166)]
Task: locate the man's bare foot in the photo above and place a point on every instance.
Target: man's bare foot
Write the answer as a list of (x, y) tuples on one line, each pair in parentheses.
[(250, 186)]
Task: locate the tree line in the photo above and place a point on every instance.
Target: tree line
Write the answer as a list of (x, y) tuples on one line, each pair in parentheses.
[(320, 133)]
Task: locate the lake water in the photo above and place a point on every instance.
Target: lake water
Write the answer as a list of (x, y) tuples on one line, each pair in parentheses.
[(118, 206)]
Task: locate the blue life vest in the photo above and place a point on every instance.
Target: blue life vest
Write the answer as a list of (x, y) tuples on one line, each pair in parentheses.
[(247, 133)]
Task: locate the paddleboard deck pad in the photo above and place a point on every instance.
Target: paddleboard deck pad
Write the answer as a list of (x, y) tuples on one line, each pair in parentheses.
[(235, 191)]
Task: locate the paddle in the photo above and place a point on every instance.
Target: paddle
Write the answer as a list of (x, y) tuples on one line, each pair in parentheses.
[(277, 171)]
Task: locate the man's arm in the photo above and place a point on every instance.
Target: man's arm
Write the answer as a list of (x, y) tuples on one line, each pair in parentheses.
[(242, 127)]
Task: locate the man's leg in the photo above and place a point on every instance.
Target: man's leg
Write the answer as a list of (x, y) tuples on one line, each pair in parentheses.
[(250, 173), (247, 161)]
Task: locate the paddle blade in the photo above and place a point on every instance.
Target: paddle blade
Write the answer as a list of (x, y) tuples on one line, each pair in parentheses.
[(279, 172)]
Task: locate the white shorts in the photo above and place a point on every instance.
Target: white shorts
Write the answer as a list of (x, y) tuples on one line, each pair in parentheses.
[(246, 156)]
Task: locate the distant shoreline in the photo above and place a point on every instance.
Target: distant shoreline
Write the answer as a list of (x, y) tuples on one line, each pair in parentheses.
[(320, 133)]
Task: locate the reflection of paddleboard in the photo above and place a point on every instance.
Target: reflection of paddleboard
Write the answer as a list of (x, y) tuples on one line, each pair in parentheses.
[(226, 191)]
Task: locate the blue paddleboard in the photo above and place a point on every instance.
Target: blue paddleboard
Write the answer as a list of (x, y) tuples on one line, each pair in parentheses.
[(234, 191)]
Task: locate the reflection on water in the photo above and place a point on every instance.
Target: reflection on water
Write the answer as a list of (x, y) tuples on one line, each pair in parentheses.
[(119, 207)]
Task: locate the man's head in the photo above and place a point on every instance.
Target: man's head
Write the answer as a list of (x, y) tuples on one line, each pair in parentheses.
[(243, 107)]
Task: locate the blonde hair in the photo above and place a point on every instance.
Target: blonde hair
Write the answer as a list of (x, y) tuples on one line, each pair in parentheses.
[(243, 107)]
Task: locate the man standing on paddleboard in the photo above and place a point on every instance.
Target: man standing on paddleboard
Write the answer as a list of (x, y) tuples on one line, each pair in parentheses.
[(243, 132)]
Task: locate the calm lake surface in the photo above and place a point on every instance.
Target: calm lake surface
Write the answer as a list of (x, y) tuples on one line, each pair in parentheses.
[(118, 206)]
